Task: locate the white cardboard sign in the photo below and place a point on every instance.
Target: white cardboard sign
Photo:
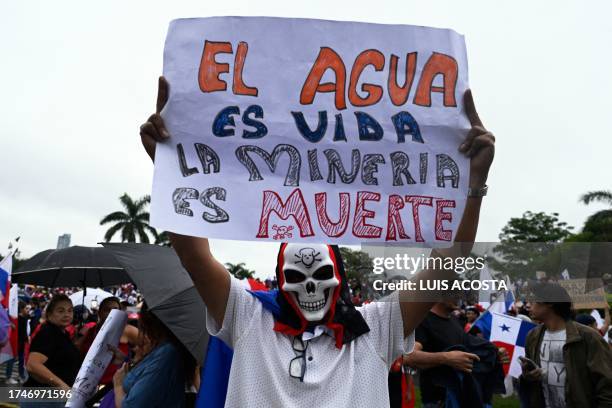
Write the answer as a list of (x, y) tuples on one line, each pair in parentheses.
[(97, 359), (312, 131)]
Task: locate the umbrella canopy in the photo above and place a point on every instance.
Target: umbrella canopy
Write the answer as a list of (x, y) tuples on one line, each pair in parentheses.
[(73, 266), (91, 295), (168, 291)]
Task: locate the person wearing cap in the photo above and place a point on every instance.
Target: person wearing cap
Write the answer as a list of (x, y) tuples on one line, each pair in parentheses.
[(573, 364)]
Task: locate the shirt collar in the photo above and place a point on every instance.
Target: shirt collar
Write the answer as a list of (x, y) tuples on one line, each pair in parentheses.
[(318, 331)]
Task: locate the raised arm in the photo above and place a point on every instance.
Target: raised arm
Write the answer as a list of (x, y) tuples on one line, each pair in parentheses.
[(209, 276), (479, 146), (456, 359)]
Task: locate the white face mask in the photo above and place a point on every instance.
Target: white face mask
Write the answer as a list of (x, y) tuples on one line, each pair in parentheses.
[(309, 276)]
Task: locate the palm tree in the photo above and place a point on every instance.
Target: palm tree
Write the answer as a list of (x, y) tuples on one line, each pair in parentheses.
[(603, 196), (163, 239), (134, 221), (239, 270), (598, 227)]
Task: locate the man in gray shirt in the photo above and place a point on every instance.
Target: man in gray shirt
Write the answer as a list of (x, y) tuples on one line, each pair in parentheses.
[(573, 363)]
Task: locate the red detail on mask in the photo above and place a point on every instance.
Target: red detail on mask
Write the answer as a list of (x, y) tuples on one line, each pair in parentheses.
[(337, 328)]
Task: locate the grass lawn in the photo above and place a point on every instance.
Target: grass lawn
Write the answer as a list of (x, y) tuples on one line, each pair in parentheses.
[(498, 402)]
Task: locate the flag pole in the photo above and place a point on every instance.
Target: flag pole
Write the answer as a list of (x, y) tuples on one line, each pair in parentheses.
[(492, 302)]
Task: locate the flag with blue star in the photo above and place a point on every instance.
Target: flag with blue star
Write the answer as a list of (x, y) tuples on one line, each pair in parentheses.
[(507, 332)]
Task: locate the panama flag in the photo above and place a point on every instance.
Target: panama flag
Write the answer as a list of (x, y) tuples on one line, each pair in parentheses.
[(9, 300), (501, 300), (507, 332), (6, 266)]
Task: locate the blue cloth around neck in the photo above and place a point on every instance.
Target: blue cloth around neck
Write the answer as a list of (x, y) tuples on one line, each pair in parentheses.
[(216, 370), (268, 299)]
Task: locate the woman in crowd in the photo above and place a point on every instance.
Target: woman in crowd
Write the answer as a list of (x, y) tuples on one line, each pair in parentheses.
[(129, 337), (160, 377), (54, 360)]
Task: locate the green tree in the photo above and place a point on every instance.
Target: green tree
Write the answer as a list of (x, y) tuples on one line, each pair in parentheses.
[(132, 222), (239, 270), (601, 195), (535, 227), (526, 244), (163, 239), (598, 227), (357, 264)]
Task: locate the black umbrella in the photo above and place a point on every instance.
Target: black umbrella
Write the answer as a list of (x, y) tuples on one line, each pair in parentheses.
[(73, 266), (168, 291)]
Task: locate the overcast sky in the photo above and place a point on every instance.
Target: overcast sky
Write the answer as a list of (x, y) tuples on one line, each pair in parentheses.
[(78, 78)]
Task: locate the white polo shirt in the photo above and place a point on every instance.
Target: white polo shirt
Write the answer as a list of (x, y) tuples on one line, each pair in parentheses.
[(355, 375)]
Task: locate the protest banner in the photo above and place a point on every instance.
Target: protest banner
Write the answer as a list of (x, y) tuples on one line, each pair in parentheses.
[(312, 131), (585, 293), (97, 359)]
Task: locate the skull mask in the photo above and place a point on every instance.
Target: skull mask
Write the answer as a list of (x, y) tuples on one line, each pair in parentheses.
[(310, 278)]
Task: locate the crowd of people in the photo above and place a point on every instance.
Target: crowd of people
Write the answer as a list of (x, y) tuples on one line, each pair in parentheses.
[(34, 300), (40, 295), (53, 343), (55, 335), (447, 338), (53, 340), (313, 336)]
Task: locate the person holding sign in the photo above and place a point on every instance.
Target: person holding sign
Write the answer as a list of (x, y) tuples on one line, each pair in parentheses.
[(313, 346), (346, 133), (129, 337)]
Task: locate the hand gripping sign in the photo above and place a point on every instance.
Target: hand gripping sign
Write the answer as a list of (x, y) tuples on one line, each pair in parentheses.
[(312, 131), (97, 359)]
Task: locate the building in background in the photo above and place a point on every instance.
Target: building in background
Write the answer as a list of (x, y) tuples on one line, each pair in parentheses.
[(63, 241)]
